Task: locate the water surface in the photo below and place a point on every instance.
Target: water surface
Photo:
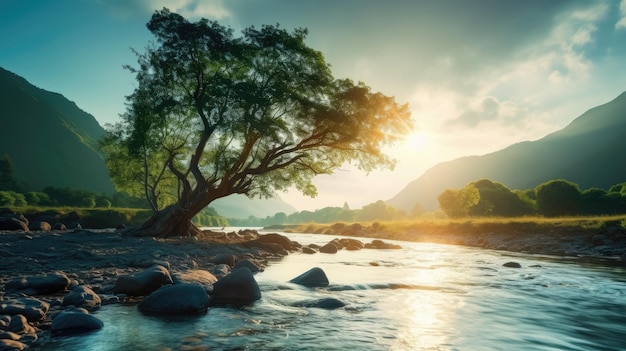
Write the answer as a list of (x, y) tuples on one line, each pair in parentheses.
[(423, 297)]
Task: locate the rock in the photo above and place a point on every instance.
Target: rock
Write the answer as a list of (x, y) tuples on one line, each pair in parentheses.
[(9, 335), (220, 270), (40, 226), (179, 299), (197, 276), (59, 226), (82, 296), (379, 244), (11, 345), (281, 240), (351, 244), (227, 259), (33, 309), (42, 284), (238, 288), (252, 266), (143, 283), (512, 265), (314, 277), (308, 250), (74, 322), (12, 224), (329, 248), (328, 303), (19, 325)]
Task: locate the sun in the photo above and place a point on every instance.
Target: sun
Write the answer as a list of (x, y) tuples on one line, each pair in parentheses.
[(418, 140)]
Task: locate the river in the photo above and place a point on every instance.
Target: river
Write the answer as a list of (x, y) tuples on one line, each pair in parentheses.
[(422, 297)]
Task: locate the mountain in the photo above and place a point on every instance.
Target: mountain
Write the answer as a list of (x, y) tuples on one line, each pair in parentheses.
[(51, 141), (589, 151)]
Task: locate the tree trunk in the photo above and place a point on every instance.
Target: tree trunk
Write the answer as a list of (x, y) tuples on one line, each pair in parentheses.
[(171, 221)]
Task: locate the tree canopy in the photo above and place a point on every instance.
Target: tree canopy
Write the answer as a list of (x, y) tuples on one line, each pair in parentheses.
[(215, 114)]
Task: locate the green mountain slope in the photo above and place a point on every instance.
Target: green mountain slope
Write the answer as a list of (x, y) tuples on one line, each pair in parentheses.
[(589, 151), (51, 141)]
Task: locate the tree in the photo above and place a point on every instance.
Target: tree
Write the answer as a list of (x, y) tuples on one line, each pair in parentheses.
[(497, 200), (558, 198), (457, 203), (253, 115), (6, 173)]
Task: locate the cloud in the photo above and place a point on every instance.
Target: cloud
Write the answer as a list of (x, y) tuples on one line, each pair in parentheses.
[(621, 23), (193, 9)]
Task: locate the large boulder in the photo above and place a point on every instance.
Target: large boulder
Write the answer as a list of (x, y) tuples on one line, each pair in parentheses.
[(82, 296), (143, 283), (40, 284), (238, 288), (179, 299), (13, 222), (31, 308), (74, 322), (314, 277)]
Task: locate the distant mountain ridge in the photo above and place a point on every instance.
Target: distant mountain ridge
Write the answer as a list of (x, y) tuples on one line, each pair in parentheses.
[(590, 151), (51, 141)]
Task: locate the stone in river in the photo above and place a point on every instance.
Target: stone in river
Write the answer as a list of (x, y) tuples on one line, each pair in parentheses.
[(314, 277), (82, 296), (329, 248), (11, 345), (31, 308), (143, 283), (238, 288), (179, 299), (512, 265), (74, 322), (328, 303)]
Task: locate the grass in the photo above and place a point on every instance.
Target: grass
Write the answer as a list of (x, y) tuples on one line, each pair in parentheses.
[(432, 229)]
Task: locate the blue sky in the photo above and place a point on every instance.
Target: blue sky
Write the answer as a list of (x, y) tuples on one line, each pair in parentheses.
[(478, 75)]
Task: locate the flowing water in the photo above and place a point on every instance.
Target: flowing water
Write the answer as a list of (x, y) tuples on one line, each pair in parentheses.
[(423, 297)]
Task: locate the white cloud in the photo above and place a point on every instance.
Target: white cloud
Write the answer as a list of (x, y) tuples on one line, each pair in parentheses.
[(193, 9), (621, 23)]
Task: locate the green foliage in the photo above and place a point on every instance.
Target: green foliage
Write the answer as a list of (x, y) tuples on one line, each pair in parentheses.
[(214, 114), (6, 173), (497, 200), (457, 203), (558, 198)]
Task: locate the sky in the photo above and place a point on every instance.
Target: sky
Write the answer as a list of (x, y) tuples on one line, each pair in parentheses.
[(478, 75)]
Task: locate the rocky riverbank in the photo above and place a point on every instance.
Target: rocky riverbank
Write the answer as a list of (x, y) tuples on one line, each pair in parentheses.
[(51, 282)]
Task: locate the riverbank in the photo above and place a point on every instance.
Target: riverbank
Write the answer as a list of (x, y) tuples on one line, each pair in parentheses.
[(598, 237)]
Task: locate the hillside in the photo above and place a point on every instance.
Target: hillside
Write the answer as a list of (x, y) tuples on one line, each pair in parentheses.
[(50, 140), (589, 151), (240, 206)]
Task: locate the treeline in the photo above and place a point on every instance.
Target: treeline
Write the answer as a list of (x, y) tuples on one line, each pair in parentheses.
[(377, 211), (550, 199)]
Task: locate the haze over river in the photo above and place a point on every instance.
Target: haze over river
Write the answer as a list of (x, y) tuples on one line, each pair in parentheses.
[(422, 297)]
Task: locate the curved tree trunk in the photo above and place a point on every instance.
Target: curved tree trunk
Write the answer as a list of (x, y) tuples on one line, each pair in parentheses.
[(171, 221)]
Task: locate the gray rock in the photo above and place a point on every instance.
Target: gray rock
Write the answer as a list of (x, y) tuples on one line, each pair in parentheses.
[(41, 284), (74, 322), (40, 226), (314, 277), (329, 248), (238, 288), (328, 303), (179, 299), (11, 345), (143, 283), (252, 266), (82, 296), (19, 325), (31, 308), (512, 265), (227, 259)]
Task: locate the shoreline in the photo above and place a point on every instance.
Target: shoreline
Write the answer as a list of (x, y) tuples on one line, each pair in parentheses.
[(97, 258)]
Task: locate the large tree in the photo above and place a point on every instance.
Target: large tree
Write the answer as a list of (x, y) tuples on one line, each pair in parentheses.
[(214, 114)]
